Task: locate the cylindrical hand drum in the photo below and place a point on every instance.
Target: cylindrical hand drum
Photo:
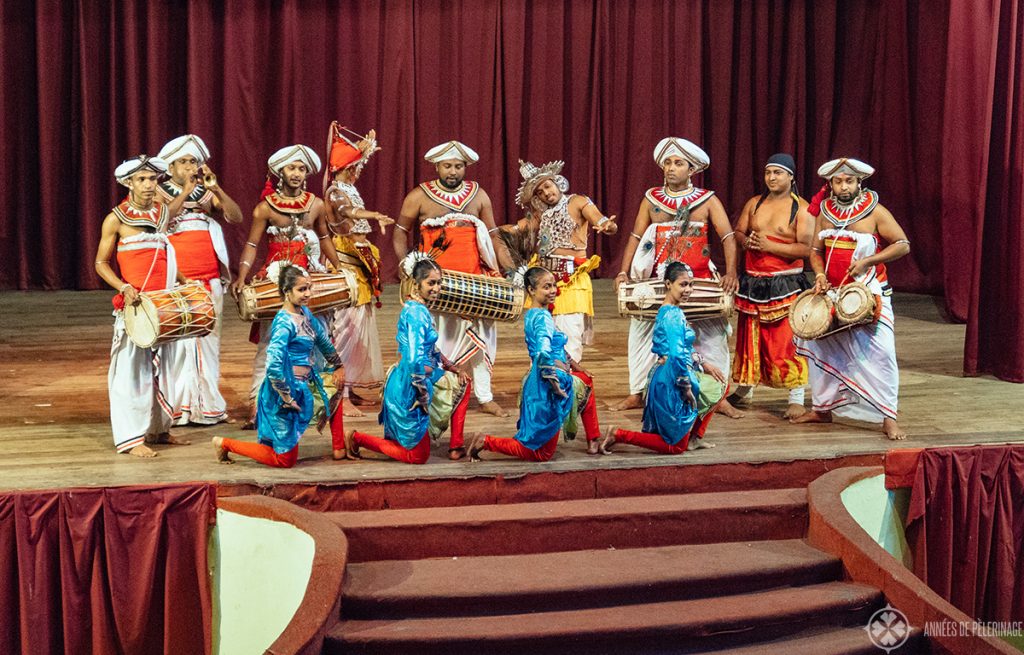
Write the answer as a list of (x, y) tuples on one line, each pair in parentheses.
[(161, 317), (260, 300), (474, 296), (643, 300)]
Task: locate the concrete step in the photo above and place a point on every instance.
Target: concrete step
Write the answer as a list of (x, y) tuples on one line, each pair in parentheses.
[(594, 524), (503, 584), (672, 626)]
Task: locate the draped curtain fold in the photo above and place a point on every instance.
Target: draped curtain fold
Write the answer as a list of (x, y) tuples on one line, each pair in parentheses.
[(596, 83)]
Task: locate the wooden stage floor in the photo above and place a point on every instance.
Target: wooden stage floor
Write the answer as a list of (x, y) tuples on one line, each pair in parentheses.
[(55, 431)]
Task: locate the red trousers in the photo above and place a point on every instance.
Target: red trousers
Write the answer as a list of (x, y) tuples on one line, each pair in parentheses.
[(421, 453), (509, 446), (262, 453), (418, 455), (656, 443)]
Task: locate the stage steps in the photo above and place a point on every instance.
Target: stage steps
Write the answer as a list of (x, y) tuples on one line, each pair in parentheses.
[(712, 572)]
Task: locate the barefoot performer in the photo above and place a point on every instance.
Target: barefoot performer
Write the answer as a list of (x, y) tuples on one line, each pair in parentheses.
[(285, 403), (294, 220), (549, 393), (193, 198), (355, 328), (684, 387), (562, 222), (776, 232), (413, 410), (674, 224), (140, 380), (854, 373), (454, 218)]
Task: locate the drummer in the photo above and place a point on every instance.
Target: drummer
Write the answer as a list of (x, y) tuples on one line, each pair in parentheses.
[(193, 198), (775, 231), (562, 222), (454, 221), (853, 373), (140, 380), (295, 221), (673, 225)]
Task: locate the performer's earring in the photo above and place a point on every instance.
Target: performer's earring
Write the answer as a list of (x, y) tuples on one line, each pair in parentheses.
[(280, 182)]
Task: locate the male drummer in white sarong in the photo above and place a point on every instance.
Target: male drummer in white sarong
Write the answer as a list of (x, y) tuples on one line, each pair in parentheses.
[(140, 380), (853, 373), (455, 221), (673, 224)]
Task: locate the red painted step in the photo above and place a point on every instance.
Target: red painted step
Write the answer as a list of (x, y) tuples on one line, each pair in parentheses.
[(831, 641), (595, 524), (470, 586), (672, 626)]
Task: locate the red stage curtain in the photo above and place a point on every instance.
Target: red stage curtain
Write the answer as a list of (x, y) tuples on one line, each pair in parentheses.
[(116, 570), (965, 526), (598, 83)]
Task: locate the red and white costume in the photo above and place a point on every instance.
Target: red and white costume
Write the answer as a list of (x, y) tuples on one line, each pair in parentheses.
[(854, 373), (140, 380), (682, 240), (202, 255), (469, 250)]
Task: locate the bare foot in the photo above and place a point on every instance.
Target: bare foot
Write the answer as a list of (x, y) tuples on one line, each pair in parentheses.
[(476, 445), (348, 409), (892, 430), (699, 444), (594, 446), (455, 454), (142, 450), (250, 423), (492, 407), (351, 449), (794, 411), (218, 448), (632, 401), (608, 441), (813, 417), (359, 401), (168, 438), (726, 409), (736, 400)]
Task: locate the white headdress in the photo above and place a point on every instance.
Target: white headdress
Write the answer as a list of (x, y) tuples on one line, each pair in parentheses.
[(409, 261), (188, 144), (845, 166), (130, 167), (452, 150), (275, 269), (534, 175), (680, 147), (288, 154)]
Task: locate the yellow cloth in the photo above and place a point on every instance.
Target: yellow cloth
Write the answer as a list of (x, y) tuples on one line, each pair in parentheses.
[(345, 246), (577, 295)]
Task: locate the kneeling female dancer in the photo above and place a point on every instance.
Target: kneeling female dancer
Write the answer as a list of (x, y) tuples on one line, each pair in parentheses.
[(684, 389), (548, 390), (284, 405), (409, 388)]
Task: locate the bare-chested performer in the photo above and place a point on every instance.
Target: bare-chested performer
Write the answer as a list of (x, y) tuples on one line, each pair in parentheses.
[(140, 380), (776, 232), (354, 329), (854, 373), (457, 212), (296, 223), (673, 225), (562, 223), (194, 199)]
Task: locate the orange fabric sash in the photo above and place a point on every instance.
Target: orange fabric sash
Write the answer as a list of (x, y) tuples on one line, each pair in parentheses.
[(197, 260), (462, 253), (135, 264)]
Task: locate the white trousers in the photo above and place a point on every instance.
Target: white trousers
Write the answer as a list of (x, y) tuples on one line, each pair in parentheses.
[(455, 342)]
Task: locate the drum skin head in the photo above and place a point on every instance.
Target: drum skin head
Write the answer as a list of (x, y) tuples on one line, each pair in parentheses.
[(854, 304), (141, 322), (810, 315)]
